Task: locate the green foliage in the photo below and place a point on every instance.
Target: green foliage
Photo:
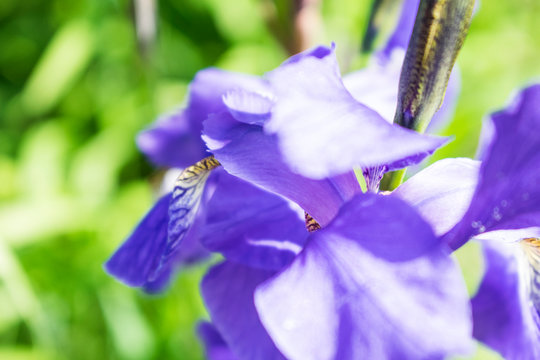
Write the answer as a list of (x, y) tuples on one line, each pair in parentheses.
[(76, 87)]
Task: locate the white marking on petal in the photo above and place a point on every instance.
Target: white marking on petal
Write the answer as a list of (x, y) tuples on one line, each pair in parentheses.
[(531, 247), (277, 244)]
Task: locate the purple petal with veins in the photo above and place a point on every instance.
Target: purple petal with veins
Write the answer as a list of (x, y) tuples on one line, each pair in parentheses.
[(323, 131), (227, 290), (508, 192), (175, 140), (247, 152), (251, 226), (503, 313), (375, 284)]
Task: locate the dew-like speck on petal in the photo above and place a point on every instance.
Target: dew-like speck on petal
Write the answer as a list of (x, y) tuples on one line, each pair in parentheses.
[(480, 228), (497, 214)]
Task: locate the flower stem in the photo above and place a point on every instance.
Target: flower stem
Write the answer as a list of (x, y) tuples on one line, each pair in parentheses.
[(392, 180), (307, 23)]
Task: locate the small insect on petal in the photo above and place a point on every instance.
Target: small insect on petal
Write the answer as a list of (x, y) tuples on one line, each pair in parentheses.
[(311, 224)]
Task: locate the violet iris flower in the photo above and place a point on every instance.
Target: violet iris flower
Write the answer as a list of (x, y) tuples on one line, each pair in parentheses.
[(338, 266), (375, 280), (261, 234), (175, 142)]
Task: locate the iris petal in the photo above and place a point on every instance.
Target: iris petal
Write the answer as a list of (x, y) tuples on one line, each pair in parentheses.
[(248, 107), (251, 226), (374, 289), (502, 313), (138, 259), (227, 291), (323, 131), (175, 140), (247, 152), (215, 347), (531, 247), (508, 192), (139, 255), (442, 192), (183, 210)]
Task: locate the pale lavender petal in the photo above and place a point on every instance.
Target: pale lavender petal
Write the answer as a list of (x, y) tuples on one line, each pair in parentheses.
[(210, 85), (323, 130), (175, 140), (215, 347), (508, 192), (374, 284), (377, 85), (503, 316), (252, 226), (487, 135), (445, 114), (509, 236), (247, 152), (248, 107), (402, 33), (442, 192), (227, 291)]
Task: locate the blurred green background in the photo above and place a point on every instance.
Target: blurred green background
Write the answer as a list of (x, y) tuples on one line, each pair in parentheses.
[(76, 86)]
